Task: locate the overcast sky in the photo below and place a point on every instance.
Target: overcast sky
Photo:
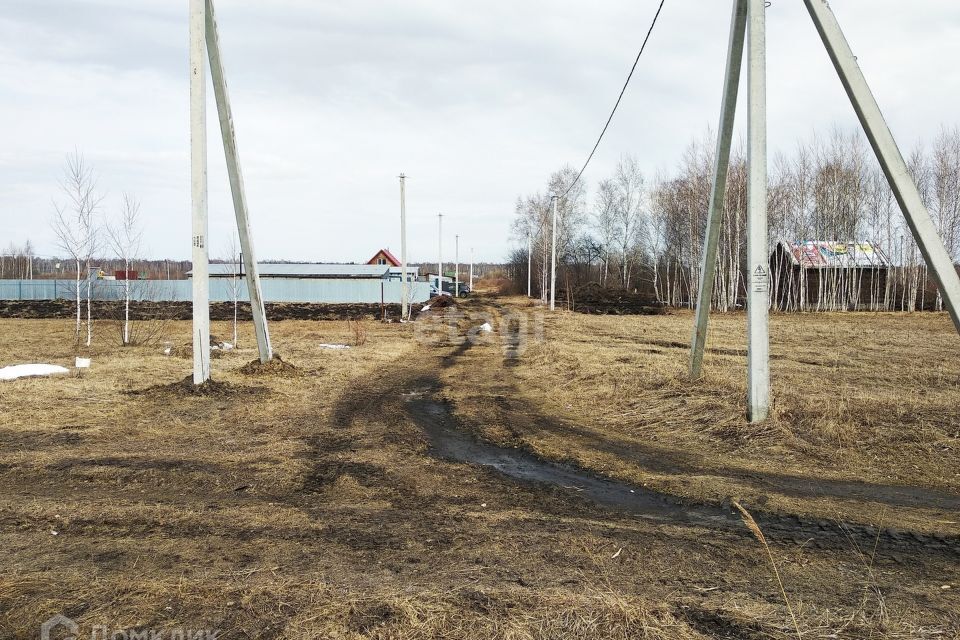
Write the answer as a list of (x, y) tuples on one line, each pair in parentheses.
[(477, 102)]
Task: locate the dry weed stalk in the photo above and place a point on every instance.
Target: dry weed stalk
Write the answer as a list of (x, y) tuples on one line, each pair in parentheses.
[(359, 330), (758, 534)]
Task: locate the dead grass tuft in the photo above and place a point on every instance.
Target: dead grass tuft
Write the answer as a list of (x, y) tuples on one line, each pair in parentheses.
[(758, 534), (358, 329)]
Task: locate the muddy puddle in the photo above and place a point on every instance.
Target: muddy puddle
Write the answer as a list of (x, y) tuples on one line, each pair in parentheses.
[(448, 441)]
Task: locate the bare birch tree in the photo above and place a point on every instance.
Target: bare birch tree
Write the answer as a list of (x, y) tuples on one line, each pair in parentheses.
[(235, 282), (75, 225), (604, 223), (630, 190), (828, 190), (125, 236)]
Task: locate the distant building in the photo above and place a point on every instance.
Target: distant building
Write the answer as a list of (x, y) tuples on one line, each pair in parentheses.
[(307, 282), (828, 275), (384, 257), (305, 271)]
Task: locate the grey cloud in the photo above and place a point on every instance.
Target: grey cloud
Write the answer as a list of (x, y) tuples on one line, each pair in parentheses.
[(479, 103)]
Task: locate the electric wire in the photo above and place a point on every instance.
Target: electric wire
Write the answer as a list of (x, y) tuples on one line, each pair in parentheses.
[(619, 99)]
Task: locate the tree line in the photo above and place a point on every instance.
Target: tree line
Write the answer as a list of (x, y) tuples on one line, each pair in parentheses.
[(646, 234)]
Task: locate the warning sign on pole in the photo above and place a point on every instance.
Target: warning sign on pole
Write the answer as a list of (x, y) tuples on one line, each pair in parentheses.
[(760, 280)]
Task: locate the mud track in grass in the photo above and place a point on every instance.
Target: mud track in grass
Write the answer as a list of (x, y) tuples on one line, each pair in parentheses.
[(448, 439)]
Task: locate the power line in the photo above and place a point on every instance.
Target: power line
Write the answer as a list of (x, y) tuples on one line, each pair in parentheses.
[(619, 98)]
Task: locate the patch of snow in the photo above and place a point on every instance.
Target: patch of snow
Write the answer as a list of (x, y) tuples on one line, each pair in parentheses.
[(425, 307), (333, 346), (166, 351), (486, 327), (82, 363), (226, 346), (31, 371)]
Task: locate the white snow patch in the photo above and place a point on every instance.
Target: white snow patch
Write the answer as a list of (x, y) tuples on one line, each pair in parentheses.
[(333, 346), (226, 346), (31, 371), (425, 307), (486, 327), (82, 363)]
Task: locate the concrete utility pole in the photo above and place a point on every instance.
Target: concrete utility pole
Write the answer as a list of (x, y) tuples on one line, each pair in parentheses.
[(891, 160), (553, 258), (405, 287), (884, 146), (758, 276), (708, 266), (529, 266), (456, 272), (440, 253), (236, 186), (198, 189)]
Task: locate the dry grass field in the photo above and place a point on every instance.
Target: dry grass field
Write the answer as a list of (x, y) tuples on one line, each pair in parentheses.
[(858, 397), (338, 500)]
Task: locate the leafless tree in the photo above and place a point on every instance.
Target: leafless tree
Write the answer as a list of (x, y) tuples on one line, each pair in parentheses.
[(75, 225), (125, 236), (604, 223), (235, 282), (16, 261), (630, 199), (534, 222), (827, 188)]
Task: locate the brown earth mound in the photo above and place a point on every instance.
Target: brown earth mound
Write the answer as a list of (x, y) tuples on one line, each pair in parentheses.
[(211, 388), (441, 302), (185, 350), (276, 367)]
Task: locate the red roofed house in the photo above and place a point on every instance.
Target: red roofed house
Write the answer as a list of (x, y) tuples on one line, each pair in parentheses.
[(384, 257)]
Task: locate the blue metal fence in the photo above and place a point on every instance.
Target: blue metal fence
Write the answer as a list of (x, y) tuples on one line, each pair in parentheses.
[(331, 291)]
